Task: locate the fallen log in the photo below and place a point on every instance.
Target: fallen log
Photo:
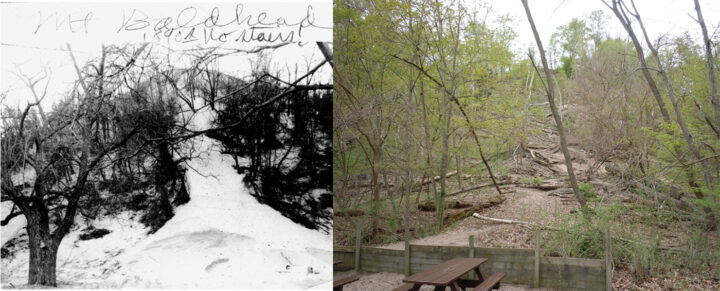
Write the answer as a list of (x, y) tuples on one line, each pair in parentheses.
[(501, 183), (430, 206), (368, 185), (546, 187), (427, 206), (464, 213), (563, 192), (537, 147)]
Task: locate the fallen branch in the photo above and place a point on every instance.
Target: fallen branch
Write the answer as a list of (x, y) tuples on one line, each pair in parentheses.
[(437, 178), (510, 221), (12, 215), (540, 158), (447, 175)]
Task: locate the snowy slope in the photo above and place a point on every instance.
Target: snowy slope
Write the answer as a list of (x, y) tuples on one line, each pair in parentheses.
[(222, 238), (14, 227)]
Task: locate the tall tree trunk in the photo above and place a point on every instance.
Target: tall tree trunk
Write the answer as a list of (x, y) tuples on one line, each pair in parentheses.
[(409, 153), (556, 115), (389, 192), (711, 77), (440, 198), (711, 68), (374, 175), (458, 162), (428, 138), (420, 190), (43, 250), (376, 190)]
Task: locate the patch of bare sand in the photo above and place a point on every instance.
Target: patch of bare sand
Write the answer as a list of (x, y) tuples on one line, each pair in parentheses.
[(526, 204), (388, 281)]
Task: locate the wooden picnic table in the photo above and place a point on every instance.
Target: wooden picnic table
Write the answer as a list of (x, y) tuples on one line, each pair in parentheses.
[(448, 274), (337, 262)]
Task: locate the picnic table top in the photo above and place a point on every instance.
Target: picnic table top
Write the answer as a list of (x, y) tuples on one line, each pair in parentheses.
[(445, 273), (337, 262)]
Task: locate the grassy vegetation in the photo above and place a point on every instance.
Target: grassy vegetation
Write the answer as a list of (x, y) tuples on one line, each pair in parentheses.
[(693, 251), (390, 227)]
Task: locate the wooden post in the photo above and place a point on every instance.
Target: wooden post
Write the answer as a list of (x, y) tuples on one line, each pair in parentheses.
[(471, 253), (608, 260), (536, 274), (471, 243), (357, 248), (407, 256)]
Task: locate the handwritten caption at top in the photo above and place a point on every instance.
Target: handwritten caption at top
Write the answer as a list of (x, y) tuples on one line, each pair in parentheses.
[(190, 25)]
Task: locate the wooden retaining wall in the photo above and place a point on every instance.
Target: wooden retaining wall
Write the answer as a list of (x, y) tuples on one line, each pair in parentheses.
[(517, 264)]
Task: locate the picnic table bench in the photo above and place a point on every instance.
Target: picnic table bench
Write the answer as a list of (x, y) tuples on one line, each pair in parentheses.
[(448, 274), (338, 284)]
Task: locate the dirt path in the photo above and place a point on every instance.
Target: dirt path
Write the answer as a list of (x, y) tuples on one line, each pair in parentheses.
[(542, 161), (526, 204)]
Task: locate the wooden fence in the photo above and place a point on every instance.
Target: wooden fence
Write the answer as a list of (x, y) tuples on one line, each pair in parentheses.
[(521, 266)]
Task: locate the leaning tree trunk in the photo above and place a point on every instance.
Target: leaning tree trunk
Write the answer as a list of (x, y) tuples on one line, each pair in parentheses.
[(680, 120), (711, 68), (43, 251), (556, 115), (617, 9)]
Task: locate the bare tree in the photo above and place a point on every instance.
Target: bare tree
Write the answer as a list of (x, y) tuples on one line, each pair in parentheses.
[(51, 202), (47, 165)]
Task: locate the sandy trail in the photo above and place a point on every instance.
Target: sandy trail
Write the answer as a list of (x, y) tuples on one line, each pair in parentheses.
[(526, 204)]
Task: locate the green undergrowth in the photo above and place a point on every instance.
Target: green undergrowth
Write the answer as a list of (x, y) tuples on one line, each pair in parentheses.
[(389, 228), (647, 241), (389, 225)]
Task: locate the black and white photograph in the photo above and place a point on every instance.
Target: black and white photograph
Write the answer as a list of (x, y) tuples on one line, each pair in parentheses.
[(166, 145)]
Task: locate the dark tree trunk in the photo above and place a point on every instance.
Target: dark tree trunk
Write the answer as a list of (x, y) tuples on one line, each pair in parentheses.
[(43, 251)]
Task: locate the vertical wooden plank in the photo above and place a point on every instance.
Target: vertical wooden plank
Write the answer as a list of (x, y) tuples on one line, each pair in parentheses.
[(407, 254), (608, 260), (357, 248), (536, 274), (471, 243), (471, 254)]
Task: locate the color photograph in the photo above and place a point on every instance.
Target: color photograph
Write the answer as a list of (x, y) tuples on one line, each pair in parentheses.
[(526, 145)]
